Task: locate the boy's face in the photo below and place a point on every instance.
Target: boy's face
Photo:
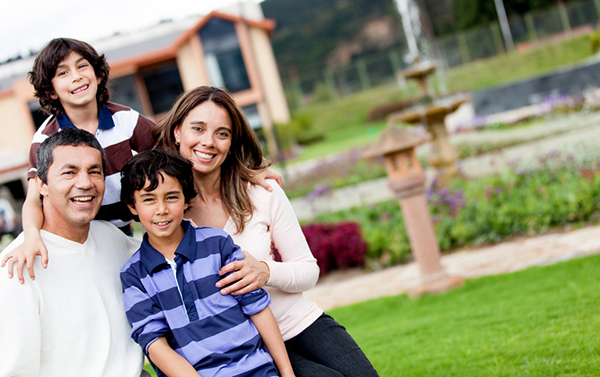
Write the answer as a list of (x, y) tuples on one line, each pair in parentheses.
[(161, 211), (75, 83)]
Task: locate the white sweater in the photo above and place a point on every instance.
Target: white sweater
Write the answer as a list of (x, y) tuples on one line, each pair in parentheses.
[(274, 221), (70, 321)]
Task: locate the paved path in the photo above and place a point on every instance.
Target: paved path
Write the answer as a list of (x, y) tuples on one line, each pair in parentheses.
[(344, 288)]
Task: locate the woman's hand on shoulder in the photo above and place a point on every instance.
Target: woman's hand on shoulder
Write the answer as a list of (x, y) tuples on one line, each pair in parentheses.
[(261, 179), (24, 254), (248, 274)]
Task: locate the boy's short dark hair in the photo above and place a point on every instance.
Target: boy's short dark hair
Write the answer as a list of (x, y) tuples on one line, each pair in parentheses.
[(44, 69), (69, 136), (147, 166)]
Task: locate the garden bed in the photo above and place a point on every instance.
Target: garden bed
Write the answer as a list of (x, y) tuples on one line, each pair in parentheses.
[(554, 191)]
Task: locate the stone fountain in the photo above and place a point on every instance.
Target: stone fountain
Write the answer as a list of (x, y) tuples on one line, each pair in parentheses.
[(432, 109)]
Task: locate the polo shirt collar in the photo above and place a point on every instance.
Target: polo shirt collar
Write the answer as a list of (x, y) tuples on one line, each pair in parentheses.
[(152, 258), (105, 120)]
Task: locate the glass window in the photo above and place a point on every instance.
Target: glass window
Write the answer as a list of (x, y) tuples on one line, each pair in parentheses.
[(123, 91), (223, 57), (163, 84), (38, 115), (256, 123)]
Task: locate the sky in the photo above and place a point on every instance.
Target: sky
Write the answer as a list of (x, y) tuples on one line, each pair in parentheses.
[(29, 24)]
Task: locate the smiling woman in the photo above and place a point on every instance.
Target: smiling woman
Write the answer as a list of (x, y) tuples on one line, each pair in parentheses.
[(207, 127)]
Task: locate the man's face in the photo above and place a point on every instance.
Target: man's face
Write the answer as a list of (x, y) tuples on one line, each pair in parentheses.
[(74, 189)]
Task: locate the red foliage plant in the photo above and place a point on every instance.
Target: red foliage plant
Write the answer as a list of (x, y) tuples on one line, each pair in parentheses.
[(336, 246)]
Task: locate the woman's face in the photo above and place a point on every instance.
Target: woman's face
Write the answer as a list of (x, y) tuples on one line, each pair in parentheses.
[(205, 137)]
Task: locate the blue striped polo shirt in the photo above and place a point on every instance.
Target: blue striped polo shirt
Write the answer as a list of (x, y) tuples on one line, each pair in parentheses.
[(211, 331)]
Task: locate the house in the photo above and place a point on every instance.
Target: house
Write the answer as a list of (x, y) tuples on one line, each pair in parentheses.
[(150, 69)]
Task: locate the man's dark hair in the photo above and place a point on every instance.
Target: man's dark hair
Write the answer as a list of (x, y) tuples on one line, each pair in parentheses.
[(143, 170), (68, 136), (44, 69)]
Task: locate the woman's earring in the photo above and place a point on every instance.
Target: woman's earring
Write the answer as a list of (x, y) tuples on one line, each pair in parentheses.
[(177, 143)]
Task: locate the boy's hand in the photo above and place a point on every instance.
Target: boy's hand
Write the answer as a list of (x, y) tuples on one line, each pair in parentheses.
[(250, 274), (24, 254), (261, 179)]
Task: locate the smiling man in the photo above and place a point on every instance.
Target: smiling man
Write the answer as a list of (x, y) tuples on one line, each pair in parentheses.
[(70, 321)]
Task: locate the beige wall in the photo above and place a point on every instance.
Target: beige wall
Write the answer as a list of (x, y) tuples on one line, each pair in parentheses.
[(16, 132), (190, 62), (16, 127), (269, 76)]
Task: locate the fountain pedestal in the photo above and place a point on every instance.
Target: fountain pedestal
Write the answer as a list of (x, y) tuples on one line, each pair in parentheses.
[(407, 180)]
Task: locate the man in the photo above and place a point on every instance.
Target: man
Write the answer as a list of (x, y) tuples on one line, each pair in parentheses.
[(70, 320)]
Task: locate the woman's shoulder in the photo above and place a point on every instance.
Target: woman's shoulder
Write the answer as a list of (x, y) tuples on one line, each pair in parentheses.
[(261, 190), (259, 193)]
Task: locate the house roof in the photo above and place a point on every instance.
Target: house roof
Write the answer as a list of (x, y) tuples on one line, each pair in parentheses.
[(153, 45), (166, 47)]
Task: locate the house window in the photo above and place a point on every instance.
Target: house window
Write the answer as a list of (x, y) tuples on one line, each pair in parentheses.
[(223, 57), (163, 84), (256, 123), (38, 115), (123, 91)]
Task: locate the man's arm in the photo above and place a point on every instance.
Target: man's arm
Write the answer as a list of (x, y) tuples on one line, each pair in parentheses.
[(269, 331), (168, 361), (20, 328)]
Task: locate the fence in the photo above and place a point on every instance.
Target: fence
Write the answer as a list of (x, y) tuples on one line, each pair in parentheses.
[(454, 50)]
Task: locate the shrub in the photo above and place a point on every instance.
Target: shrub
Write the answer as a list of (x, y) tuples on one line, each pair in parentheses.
[(336, 246), (302, 126), (594, 42), (382, 111)]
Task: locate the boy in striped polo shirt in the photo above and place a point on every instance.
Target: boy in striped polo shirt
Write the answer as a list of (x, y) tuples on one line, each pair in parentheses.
[(179, 318)]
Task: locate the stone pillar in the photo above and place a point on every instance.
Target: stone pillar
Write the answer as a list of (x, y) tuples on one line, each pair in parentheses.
[(407, 180), (426, 251), (421, 233)]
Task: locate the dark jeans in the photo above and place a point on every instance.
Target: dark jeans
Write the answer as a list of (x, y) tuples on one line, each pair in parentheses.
[(326, 349)]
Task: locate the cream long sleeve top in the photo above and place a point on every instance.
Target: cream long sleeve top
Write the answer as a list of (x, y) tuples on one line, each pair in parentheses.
[(274, 221), (70, 321)]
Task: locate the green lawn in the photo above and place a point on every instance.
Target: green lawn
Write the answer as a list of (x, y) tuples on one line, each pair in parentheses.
[(538, 322), (506, 68), (542, 321)]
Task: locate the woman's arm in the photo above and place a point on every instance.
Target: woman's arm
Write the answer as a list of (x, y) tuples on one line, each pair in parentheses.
[(168, 361), (32, 218), (298, 270), (269, 331), (249, 274)]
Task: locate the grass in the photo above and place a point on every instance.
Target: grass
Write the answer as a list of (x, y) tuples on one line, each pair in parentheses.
[(536, 322), (344, 123), (506, 68), (340, 140)]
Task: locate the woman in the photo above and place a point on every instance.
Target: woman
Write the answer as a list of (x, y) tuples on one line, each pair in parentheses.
[(207, 127)]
